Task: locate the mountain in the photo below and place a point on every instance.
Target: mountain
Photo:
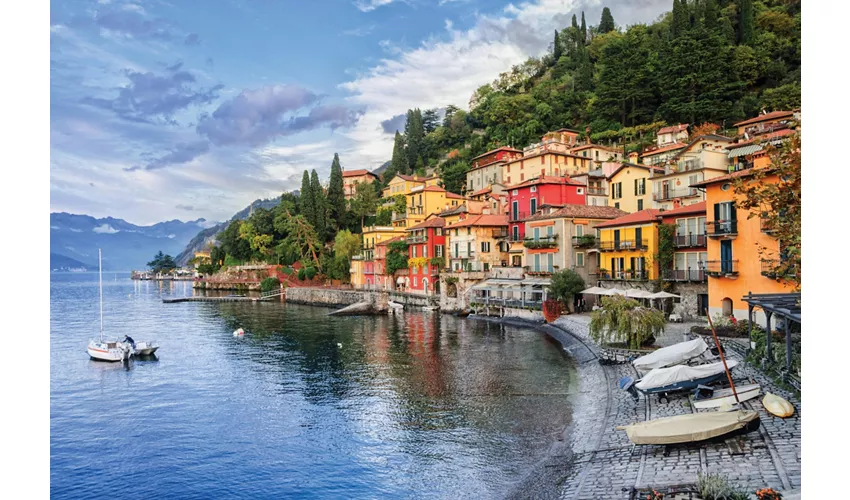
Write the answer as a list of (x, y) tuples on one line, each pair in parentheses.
[(380, 170), (62, 263), (203, 239), (125, 246)]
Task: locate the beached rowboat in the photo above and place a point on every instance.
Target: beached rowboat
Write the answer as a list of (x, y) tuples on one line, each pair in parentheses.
[(693, 428), (721, 397)]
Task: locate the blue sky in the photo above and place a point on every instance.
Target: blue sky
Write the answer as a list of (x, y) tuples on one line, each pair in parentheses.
[(166, 109)]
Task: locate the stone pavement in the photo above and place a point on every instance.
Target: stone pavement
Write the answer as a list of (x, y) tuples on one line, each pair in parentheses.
[(605, 466)]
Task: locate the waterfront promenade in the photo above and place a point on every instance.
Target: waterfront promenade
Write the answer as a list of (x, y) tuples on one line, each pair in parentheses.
[(601, 464)]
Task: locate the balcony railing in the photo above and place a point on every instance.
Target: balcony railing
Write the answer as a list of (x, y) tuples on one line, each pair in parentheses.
[(611, 246), (417, 239), (623, 275), (670, 194), (721, 267), (517, 216), (500, 233), (542, 242), (466, 265), (497, 301), (689, 240), (597, 191), (416, 210), (469, 254), (697, 275), (586, 241), (721, 228)]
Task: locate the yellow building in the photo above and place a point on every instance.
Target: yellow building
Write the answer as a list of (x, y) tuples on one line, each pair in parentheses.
[(627, 247), (466, 209), (703, 158), (546, 162), (403, 184), (372, 235), (598, 153), (630, 188), (357, 272), (423, 201), (477, 243)]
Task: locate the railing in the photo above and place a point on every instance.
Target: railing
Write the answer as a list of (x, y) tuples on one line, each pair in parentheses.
[(515, 303), (689, 240), (586, 241), (670, 194), (499, 233), (623, 275), (597, 191), (610, 246), (721, 267), (517, 216), (416, 210), (769, 269), (540, 272), (516, 239), (697, 275), (397, 216), (721, 228), (542, 242), (417, 239), (470, 266)]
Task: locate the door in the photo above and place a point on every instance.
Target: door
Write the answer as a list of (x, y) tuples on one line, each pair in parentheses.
[(726, 256), (702, 304), (665, 190)]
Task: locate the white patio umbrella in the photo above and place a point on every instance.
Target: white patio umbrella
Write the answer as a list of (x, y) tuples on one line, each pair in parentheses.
[(663, 295), (637, 293), (594, 290), (612, 291)]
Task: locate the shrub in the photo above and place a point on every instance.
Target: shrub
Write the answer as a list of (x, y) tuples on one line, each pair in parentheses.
[(310, 272), (565, 285), (713, 486), (270, 283), (622, 319), (302, 273)]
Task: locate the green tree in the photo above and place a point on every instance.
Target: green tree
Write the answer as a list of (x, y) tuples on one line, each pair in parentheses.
[(565, 285), (396, 257), (346, 244), (306, 198), (557, 51), (746, 22), (336, 195), (430, 120), (162, 263), (233, 244), (365, 201), (301, 237), (320, 205), (414, 134), (606, 24), (399, 160), (583, 29), (384, 217), (624, 320)]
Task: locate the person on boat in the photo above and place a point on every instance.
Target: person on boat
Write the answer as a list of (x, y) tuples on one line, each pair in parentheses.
[(129, 339)]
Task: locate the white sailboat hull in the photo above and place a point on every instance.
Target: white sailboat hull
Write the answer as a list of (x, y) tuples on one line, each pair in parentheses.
[(726, 396), (108, 351)]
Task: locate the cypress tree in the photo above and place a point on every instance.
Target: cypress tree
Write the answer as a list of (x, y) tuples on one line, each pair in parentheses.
[(746, 22), (583, 28), (575, 22), (606, 24), (319, 204), (414, 133), (336, 195), (556, 50), (399, 161), (305, 200)]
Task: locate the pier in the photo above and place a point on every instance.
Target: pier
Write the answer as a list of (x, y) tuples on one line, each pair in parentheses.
[(271, 294)]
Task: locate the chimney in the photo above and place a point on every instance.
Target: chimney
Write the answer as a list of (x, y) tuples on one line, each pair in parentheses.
[(633, 157)]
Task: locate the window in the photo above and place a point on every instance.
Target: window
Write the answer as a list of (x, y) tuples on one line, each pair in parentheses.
[(457, 251), (425, 250), (516, 233), (640, 187), (580, 191), (486, 266), (536, 233), (469, 230), (485, 246), (580, 259), (549, 230), (457, 232), (617, 205), (640, 205), (438, 251), (617, 190), (515, 210), (515, 193), (542, 160), (537, 262), (414, 281), (533, 189), (414, 251), (579, 230), (726, 187), (521, 177), (469, 249), (550, 261), (597, 155), (533, 206), (438, 231)]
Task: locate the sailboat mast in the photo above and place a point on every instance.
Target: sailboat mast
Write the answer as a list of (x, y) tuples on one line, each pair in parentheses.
[(723, 358), (100, 283)]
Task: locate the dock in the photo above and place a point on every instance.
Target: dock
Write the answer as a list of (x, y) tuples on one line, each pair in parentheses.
[(237, 298)]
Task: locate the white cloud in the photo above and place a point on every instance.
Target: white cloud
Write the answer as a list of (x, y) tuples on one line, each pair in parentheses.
[(105, 229), (370, 5)]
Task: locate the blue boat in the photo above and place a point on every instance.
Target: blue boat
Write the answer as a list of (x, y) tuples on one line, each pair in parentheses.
[(674, 379)]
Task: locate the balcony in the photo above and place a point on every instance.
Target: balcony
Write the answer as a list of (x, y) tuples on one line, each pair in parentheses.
[(499, 233), (517, 216), (670, 194), (416, 210), (694, 275), (681, 166), (470, 254), (542, 242), (467, 266), (613, 246), (397, 216), (597, 191), (689, 240), (623, 275), (722, 228), (718, 268), (417, 239), (586, 241)]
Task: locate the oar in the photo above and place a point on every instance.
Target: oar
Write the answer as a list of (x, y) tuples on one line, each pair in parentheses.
[(723, 358)]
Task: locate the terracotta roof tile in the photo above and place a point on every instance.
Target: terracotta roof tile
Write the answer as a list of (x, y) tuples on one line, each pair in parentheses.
[(764, 137), (672, 129), (357, 173), (734, 175), (773, 115), (503, 148), (393, 240), (664, 149), (648, 215), (547, 179), (581, 211), (481, 220), (696, 208), (453, 196), (430, 222)]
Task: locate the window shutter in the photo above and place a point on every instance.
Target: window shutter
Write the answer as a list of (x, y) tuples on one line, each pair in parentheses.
[(632, 263), (716, 212), (732, 211), (636, 186)]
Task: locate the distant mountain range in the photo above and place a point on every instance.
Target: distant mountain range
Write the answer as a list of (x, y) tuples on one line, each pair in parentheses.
[(125, 246), (62, 263)]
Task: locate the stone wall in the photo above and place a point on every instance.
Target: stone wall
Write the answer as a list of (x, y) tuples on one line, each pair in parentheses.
[(688, 303), (330, 296), (465, 280)]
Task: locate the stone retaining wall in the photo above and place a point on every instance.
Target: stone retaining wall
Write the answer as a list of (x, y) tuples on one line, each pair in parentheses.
[(329, 296)]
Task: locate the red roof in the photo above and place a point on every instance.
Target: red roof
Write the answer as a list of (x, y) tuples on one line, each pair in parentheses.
[(449, 194), (434, 188), (503, 148), (393, 240), (430, 222), (672, 129), (581, 211), (773, 115), (696, 208), (664, 149), (357, 173), (548, 179), (734, 175), (481, 220), (481, 191), (764, 137), (410, 178), (648, 215)]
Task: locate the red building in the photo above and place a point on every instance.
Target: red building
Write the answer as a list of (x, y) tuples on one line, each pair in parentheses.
[(499, 154), (425, 241), (525, 199)]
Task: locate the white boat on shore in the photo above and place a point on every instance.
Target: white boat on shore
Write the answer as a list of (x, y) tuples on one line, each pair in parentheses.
[(721, 397), (692, 428), (681, 353)]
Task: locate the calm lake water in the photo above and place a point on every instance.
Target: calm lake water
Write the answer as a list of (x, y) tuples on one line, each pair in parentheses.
[(419, 405)]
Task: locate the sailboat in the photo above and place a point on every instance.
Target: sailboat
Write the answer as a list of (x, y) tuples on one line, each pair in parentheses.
[(107, 350)]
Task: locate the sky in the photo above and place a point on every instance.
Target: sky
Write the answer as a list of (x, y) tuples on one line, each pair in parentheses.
[(165, 110)]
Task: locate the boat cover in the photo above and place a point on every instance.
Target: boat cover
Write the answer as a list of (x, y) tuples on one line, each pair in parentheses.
[(671, 355), (662, 377), (688, 428)]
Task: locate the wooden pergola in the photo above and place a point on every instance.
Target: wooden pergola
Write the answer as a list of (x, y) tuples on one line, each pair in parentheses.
[(784, 305)]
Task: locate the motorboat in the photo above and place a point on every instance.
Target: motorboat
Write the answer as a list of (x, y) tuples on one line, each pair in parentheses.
[(681, 353), (676, 378), (693, 428), (706, 397), (145, 348), (106, 350)]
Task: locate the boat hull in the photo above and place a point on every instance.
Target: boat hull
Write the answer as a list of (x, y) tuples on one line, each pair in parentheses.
[(726, 396), (693, 428), (108, 351)]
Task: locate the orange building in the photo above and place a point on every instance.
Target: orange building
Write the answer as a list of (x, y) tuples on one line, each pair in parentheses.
[(350, 179)]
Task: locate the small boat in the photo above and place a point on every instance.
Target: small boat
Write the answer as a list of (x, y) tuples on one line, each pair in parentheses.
[(238, 332), (682, 352), (676, 378), (720, 397), (145, 348), (395, 305), (777, 406), (693, 428), (106, 350)]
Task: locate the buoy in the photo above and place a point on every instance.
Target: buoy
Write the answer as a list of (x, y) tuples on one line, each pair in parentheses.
[(239, 332), (339, 345), (777, 406)]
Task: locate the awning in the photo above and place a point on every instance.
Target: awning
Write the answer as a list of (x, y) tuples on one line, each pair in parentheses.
[(745, 150), (536, 282), (400, 280)]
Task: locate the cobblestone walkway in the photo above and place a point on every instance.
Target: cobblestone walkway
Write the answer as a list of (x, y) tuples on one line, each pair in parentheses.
[(604, 465)]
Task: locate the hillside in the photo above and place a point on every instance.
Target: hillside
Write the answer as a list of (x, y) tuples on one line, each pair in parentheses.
[(63, 263), (125, 245)]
